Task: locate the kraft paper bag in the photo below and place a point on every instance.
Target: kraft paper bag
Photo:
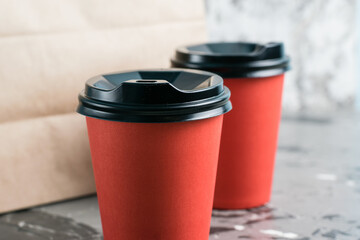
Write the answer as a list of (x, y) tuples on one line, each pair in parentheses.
[(48, 50)]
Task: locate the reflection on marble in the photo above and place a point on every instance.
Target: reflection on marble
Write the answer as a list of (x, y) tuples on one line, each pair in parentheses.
[(35, 225), (319, 36)]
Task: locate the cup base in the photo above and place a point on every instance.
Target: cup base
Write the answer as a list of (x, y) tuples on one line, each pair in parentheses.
[(226, 205)]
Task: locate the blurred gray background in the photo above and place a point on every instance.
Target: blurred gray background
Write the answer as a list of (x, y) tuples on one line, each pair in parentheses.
[(320, 37)]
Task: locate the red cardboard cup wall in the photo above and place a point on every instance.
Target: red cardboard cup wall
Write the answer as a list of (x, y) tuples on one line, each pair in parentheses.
[(248, 143), (155, 180)]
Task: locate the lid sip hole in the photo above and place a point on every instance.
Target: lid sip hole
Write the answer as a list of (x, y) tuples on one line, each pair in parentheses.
[(146, 81)]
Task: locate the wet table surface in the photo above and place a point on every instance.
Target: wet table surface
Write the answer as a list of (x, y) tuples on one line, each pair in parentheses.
[(316, 193)]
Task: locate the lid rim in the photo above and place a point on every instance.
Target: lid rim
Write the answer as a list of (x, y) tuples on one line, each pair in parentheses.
[(160, 119), (268, 63), (160, 116), (235, 73)]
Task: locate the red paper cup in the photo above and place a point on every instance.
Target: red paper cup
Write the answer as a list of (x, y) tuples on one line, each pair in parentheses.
[(155, 155), (254, 73)]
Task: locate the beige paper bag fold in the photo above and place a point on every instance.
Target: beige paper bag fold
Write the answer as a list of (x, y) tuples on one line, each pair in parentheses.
[(44, 160), (42, 74)]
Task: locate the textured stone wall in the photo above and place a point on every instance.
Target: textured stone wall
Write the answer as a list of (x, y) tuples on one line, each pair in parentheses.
[(319, 36)]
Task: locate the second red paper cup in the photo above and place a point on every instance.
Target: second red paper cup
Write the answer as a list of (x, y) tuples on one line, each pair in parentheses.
[(154, 139), (254, 74)]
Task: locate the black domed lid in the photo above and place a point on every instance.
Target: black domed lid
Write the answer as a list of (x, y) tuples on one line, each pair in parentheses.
[(165, 95), (234, 59)]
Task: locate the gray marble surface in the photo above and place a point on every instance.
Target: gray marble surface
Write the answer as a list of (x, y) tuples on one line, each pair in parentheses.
[(316, 193), (319, 35)]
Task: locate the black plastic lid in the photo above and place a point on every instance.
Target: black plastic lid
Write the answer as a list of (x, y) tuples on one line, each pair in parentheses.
[(164, 95), (234, 59)]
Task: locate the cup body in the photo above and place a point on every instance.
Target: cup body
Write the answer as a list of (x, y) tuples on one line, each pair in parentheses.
[(155, 180), (154, 139), (249, 142)]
